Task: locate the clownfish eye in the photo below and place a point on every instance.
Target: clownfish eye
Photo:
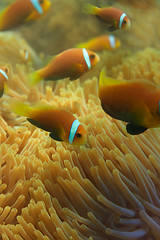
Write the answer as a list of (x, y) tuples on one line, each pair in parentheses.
[(124, 21), (6, 70), (79, 135), (92, 56)]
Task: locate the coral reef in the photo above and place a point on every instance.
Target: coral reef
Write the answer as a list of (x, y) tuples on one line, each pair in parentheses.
[(107, 189)]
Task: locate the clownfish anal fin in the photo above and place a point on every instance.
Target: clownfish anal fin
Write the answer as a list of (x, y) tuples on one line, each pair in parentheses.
[(135, 130), (34, 123), (1, 92), (54, 136)]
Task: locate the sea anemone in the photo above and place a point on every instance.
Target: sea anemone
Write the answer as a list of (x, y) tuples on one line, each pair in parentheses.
[(107, 189)]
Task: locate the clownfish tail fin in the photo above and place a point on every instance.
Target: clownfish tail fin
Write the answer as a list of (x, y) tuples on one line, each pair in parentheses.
[(34, 78), (80, 45), (20, 108), (91, 9)]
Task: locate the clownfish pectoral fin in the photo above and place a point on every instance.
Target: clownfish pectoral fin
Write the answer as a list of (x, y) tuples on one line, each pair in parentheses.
[(135, 130), (111, 28), (79, 68), (35, 14), (55, 136), (30, 17), (77, 71)]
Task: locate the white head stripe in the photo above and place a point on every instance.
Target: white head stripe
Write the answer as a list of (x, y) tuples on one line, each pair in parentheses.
[(86, 58), (112, 41), (73, 130), (4, 73), (37, 6), (121, 19)]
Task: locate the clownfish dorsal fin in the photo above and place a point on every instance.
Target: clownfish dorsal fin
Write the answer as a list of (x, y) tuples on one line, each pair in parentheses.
[(41, 105), (105, 81)]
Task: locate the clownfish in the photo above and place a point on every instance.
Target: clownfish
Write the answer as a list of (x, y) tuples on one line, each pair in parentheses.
[(116, 18), (24, 54), (4, 71), (97, 44), (22, 11), (61, 124), (71, 63), (136, 102)]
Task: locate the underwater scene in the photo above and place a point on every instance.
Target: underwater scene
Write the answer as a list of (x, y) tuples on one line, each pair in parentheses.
[(79, 120)]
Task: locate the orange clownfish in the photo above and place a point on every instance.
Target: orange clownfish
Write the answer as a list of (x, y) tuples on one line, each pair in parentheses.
[(71, 63), (22, 11), (4, 71), (97, 44), (110, 15), (61, 124), (135, 102)]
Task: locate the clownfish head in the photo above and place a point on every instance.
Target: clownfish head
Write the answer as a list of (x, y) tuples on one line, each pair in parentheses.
[(78, 134), (4, 71), (40, 8), (114, 42), (124, 21), (91, 58)]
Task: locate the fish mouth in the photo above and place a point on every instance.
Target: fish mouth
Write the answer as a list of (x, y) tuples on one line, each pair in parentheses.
[(47, 5), (97, 58), (128, 25)]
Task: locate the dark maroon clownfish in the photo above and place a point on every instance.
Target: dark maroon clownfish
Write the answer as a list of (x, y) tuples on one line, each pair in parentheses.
[(114, 17)]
